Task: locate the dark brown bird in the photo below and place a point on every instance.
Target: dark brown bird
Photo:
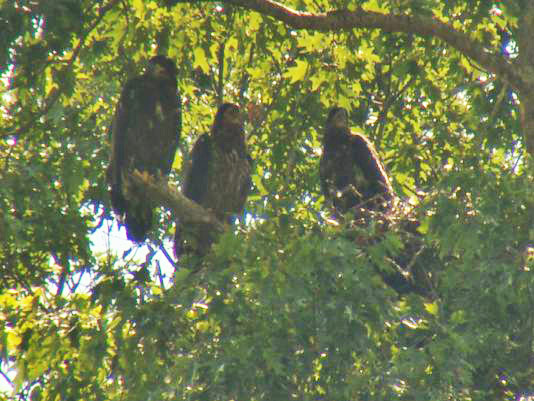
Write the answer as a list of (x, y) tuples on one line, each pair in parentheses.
[(218, 177), (145, 134), (350, 170)]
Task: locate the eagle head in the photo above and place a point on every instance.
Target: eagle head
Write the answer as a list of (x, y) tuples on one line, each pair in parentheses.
[(228, 115), (338, 117), (162, 67)]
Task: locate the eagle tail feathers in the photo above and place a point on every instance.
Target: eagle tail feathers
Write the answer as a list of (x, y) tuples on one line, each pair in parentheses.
[(138, 223)]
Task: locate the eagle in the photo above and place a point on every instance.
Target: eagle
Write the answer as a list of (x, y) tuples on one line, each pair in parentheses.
[(350, 171), (145, 135), (218, 177)]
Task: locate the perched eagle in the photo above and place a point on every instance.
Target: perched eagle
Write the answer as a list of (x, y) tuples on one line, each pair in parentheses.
[(351, 173), (145, 135), (218, 177)]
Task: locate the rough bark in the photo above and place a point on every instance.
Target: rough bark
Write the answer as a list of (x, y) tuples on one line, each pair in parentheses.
[(518, 74), (183, 208), (342, 19)]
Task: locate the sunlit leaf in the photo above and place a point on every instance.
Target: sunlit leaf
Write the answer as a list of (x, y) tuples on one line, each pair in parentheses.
[(432, 308), (298, 72), (200, 60)]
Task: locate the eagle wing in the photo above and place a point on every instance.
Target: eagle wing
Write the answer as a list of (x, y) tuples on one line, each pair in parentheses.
[(326, 174), (123, 123), (195, 184), (368, 162), (337, 172)]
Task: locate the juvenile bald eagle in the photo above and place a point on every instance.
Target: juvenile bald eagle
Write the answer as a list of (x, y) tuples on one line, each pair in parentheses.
[(219, 175), (350, 170), (145, 135)]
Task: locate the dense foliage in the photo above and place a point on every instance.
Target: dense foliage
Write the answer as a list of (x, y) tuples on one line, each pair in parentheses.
[(290, 304)]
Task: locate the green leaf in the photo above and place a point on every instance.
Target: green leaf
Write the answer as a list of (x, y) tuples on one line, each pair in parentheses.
[(255, 21), (432, 308), (298, 72), (200, 60), (256, 179), (316, 81)]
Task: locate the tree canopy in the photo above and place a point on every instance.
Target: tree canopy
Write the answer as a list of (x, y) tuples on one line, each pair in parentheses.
[(292, 302)]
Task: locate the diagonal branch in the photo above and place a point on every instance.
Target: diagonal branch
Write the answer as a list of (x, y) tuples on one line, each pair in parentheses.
[(425, 27), (183, 208)]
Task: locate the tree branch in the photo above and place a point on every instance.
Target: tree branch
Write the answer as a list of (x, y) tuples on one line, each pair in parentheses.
[(183, 208), (425, 27)]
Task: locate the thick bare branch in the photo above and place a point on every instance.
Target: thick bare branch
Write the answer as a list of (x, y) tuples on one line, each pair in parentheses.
[(183, 208), (345, 20)]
